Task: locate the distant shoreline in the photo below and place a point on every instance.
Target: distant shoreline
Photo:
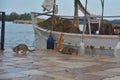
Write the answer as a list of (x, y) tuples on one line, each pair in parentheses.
[(23, 21)]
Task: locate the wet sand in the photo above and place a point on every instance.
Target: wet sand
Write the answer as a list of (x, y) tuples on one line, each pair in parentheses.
[(52, 65)]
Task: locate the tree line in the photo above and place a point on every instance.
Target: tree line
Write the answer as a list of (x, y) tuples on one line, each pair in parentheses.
[(15, 16)]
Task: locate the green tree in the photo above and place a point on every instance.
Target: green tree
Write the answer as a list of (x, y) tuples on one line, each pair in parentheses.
[(12, 16), (25, 16), (15, 16)]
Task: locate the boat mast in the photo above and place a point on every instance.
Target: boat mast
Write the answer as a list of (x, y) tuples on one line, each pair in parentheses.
[(76, 19), (53, 16)]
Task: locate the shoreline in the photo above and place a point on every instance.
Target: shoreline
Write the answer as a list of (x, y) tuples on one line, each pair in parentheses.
[(23, 21)]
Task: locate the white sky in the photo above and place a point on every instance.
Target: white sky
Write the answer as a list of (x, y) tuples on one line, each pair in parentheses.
[(65, 6)]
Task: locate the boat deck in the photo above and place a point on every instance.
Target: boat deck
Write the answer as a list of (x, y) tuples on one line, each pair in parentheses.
[(51, 65)]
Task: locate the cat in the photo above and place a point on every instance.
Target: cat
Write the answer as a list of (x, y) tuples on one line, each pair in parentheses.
[(70, 50), (21, 47)]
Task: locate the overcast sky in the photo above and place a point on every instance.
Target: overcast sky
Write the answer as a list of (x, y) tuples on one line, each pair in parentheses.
[(66, 7)]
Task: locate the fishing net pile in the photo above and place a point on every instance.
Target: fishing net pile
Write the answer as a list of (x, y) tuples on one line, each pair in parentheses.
[(60, 25)]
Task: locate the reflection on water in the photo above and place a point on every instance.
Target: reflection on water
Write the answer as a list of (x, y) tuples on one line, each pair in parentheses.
[(18, 33)]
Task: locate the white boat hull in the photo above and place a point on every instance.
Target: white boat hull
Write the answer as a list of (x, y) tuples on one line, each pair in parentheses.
[(107, 41)]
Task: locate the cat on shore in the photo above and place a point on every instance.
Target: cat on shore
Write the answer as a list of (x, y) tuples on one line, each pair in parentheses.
[(23, 48)]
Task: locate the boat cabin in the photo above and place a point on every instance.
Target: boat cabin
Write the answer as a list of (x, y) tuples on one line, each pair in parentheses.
[(105, 28)]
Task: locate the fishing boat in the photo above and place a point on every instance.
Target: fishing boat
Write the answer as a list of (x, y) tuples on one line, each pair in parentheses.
[(98, 35)]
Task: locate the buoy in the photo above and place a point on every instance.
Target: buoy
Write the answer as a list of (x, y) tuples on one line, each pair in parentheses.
[(117, 50), (60, 42), (82, 48), (50, 42)]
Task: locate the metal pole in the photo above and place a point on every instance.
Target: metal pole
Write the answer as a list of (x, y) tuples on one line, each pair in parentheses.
[(84, 19), (3, 31), (85, 15), (102, 2)]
